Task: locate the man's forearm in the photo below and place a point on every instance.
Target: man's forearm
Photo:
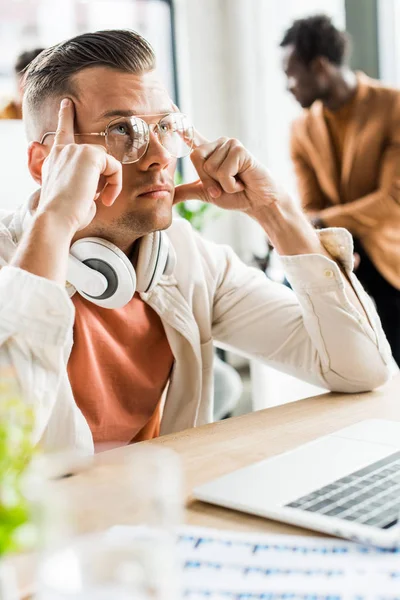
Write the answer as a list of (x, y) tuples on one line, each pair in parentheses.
[(44, 248), (289, 232)]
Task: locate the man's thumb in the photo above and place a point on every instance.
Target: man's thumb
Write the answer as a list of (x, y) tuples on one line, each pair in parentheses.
[(189, 191)]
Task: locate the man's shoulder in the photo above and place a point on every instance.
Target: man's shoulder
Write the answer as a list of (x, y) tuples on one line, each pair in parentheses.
[(377, 93), (300, 124), (194, 251), (375, 84), (184, 238)]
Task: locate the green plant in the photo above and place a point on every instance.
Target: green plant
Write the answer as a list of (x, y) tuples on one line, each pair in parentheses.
[(197, 216), (16, 421), (197, 213)]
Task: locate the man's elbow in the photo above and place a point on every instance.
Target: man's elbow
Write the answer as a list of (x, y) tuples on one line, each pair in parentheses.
[(357, 378)]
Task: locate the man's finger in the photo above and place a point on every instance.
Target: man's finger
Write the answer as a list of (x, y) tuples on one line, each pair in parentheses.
[(228, 171), (113, 175), (211, 186), (189, 191), (65, 128), (198, 139)]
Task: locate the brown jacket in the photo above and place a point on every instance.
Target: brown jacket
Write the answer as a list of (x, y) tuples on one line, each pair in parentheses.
[(362, 195)]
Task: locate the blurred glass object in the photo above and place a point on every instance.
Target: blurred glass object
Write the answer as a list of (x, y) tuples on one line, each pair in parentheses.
[(89, 549)]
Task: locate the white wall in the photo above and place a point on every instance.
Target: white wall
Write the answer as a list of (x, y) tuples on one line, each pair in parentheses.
[(389, 41), (16, 182)]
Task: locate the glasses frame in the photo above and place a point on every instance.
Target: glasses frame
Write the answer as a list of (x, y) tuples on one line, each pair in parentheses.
[(156, 126)]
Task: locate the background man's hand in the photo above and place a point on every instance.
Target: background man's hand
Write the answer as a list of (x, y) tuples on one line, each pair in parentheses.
[(73, 176)]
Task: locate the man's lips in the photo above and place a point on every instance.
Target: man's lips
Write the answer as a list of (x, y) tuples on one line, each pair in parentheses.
[(155, 192)]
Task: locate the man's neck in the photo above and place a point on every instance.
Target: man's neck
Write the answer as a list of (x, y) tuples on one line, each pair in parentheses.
[(344, 87), (125, 244)]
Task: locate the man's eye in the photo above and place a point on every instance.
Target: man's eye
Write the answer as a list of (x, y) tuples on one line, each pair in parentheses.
[(120, 129), (165, 128)]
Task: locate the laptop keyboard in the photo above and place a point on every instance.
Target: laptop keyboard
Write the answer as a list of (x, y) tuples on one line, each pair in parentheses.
[(370, 496)]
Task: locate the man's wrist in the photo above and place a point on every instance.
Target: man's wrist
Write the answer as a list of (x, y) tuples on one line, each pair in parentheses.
[(44, 248), (289, 231), (52, 224)]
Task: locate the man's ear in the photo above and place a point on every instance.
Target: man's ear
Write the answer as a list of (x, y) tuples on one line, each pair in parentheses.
[(36, 155), (320, 65)]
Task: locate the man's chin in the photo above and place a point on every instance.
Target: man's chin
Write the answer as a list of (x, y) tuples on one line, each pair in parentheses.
[(145, 222), (162, 223)]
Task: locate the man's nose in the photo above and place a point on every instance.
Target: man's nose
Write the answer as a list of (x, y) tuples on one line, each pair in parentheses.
[(156, 155)]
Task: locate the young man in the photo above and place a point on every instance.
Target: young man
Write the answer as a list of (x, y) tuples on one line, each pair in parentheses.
[(346, 153), (105, 163)]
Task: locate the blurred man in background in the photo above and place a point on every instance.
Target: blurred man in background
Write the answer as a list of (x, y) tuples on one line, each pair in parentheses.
[(346, 152), (13, 110)]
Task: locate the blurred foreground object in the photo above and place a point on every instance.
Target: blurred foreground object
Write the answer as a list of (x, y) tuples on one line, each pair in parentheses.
[(81, 558)]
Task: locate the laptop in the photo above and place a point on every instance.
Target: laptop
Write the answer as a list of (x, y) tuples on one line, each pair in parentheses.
[(346, 484)]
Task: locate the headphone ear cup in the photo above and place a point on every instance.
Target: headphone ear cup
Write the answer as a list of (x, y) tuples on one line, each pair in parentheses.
[(151, 260), (104, 257)]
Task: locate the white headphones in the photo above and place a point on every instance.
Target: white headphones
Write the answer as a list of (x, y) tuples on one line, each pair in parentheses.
[(103, 274)]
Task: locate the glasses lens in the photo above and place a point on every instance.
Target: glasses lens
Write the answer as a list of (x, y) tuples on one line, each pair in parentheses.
[(127, 139), (176, 134)]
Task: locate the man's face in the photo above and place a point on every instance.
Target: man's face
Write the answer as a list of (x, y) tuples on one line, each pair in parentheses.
[(303, 81), (145, 203)]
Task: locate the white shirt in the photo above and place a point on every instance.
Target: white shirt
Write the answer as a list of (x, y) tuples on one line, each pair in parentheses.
[(312, 331)]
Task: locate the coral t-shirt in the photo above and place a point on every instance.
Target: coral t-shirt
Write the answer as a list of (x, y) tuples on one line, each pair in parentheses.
[(118, 369)]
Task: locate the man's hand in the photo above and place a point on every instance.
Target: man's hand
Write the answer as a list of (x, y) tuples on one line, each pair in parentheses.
[(75, 175), (230, 177)]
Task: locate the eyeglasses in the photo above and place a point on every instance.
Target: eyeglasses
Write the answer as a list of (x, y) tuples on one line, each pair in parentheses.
[(127, 138)]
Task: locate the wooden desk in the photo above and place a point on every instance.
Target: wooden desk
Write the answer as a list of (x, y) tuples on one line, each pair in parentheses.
[(213, 450), (102, 492)]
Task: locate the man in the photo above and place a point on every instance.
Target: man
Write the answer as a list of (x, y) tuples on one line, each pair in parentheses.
[(13, 110), (346, 153), (145, 367)]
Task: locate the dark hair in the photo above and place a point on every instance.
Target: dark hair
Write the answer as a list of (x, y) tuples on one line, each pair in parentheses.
[(51, 72), (317, 36), (25, 58)]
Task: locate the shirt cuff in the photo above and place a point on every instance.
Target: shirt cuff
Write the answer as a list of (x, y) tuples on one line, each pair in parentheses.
[(317, 272), (34, 307)]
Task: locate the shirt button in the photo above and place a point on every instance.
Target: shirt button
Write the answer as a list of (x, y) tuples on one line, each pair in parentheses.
[(328, 273)]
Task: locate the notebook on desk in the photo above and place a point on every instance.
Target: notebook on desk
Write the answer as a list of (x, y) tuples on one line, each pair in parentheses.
[(346, 484)]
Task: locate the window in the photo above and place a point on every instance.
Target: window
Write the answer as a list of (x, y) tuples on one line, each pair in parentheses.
[(27, 24)]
